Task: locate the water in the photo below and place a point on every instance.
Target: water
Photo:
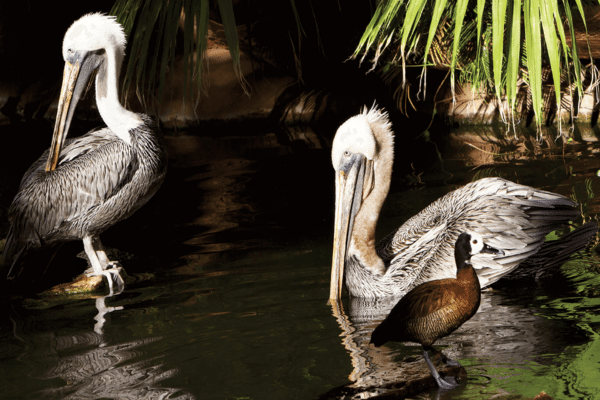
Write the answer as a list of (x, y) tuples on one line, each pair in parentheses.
[(229, 278)]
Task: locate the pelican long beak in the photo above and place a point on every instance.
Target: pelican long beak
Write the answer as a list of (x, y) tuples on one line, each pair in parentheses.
[(348, 199), (76, 76), (66, 95)]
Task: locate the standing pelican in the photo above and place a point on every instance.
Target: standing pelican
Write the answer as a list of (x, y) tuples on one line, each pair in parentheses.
[(510, 217), (97, 179)]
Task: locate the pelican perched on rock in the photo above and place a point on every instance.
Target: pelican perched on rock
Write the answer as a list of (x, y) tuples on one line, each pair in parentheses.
[(80, 187), (510, 217)]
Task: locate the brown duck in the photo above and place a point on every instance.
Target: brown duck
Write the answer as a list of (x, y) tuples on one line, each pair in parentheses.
[(437, 308)]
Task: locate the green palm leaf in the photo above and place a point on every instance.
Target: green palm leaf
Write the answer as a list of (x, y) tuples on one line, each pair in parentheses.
[(153, 26), (498, 17), (514, 54), (534, 53), (487, 43)]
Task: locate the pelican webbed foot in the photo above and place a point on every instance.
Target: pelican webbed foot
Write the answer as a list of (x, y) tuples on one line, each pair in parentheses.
[(112, 276)]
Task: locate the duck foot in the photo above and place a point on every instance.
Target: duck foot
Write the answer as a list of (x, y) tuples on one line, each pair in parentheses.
[(448, 361), (442, 383)]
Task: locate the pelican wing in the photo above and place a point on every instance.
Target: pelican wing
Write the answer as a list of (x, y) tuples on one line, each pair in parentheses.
[(510, 217), (58, 205)]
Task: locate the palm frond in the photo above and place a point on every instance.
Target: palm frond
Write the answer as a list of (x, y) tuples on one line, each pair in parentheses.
[(155, 31), (496, 44)]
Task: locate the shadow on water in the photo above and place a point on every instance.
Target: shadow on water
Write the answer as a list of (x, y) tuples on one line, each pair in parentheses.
[(229, 268)]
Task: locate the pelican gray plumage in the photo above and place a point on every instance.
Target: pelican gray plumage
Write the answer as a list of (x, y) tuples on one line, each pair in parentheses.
[(510, 217), (97, 179)]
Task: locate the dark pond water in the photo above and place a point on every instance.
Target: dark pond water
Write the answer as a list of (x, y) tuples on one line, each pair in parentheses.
[(229, 271)]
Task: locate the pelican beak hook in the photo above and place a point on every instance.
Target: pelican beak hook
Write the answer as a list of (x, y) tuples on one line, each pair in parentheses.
[(348, 199)]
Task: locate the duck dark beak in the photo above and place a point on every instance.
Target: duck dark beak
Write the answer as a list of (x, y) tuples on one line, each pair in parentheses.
[(349, 182), (490, 250)]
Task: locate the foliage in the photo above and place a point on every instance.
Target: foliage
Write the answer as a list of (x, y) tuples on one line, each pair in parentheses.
[(155, 25), (495, 43), (308, 39)]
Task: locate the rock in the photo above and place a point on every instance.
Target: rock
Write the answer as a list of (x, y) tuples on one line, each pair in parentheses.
[(82, 284)]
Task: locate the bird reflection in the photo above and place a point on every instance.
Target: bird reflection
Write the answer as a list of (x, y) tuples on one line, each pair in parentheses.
[(102, 311), (88, 366), (503, 331)]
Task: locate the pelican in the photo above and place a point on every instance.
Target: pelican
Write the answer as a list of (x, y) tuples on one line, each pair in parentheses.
[(510, 217), (80, 187)]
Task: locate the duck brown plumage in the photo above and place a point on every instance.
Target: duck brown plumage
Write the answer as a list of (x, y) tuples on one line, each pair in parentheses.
[(437, 308)]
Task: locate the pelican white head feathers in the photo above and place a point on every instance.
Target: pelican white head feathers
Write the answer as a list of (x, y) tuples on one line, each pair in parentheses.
[(94, 31), (357, 135), (95, 43)]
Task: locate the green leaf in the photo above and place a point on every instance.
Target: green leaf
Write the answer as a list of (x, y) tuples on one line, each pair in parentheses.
[(153, 26), (438, 9), (459, 15), (514, 54), (534, 53), (480, 9), (498, 15), (201, 13), (553, 51), (226, 9), (381, 30), (574, 51)]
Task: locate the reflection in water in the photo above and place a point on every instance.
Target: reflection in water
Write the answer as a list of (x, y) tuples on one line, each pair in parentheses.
[(102, 311), (90, 368), (373, 367), (503, 331), (232, 304)]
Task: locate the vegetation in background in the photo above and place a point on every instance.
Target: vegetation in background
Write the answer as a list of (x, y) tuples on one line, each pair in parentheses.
[(155, 27), (281, 33), (495, 43)]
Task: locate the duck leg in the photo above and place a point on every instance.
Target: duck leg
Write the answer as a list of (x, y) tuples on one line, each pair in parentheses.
[(443, 358), (100, 263), (448, 361), (441, 382)]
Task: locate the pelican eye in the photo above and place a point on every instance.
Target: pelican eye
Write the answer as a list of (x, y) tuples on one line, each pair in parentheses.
[(347, 153)]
